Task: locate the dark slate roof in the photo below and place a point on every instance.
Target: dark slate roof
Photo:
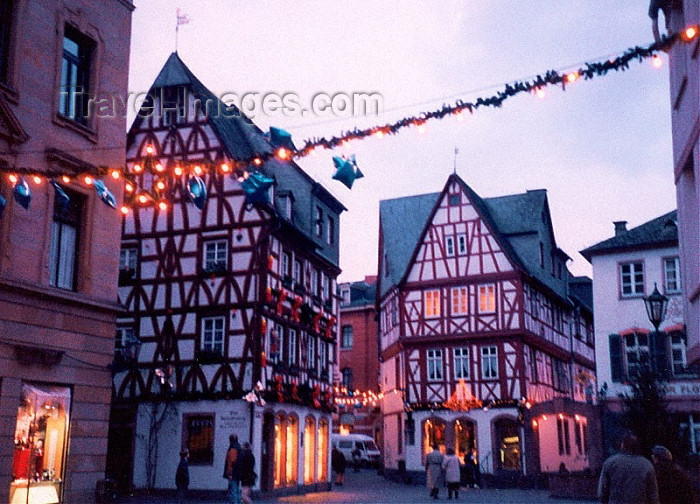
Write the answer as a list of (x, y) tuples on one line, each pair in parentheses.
[(659, 232), (361, 294), (242, 139), (515, 219), (581, 289)]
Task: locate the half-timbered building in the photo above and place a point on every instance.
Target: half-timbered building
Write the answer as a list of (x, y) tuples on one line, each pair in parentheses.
[(230, 301), (486, 338)]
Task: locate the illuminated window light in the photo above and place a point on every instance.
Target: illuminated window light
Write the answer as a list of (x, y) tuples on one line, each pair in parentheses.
[(178, 171), (225, 168), (534, 423), (116, 174), (198, 169), (561, 416), (690, 33), (88, 179), (656, 61), (159, 167), (13, 178), (137, 168), (282, 153), (577, 417), (37, 179), (65, 179), (544, 417)]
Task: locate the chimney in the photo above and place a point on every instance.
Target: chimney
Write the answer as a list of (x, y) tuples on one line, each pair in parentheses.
[(620, 227)]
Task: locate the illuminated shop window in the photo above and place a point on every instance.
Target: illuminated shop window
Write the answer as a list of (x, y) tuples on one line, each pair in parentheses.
[(309, 450), (322, 450)]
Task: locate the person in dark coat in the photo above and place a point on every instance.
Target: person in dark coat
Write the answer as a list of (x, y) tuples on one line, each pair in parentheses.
[(232, 470), (675, 487), (248, 476), (338, 465), (182, 476)]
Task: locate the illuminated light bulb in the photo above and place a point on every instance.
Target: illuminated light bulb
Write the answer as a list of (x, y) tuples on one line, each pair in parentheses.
[(577, 417), (137, 168), (544, 417), (561, 417), (37, 179), (129, 187), (656, 61), (124, 209), (421, 128), (115, 174), (690, 33), (160, 185), (159, 167), (460, 115), (143, 199), (282, 153), (150, 150), (13, 178), (539, 93), (572, 77), (225, 168), (163, 205), (65, 178), (257, 161), (88, 179), (534, 423), (178, 171), (379, 134), (198, 170)]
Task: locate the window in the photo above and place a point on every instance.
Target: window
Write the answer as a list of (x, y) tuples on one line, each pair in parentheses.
[(561, 375), (461, 363), (672, 277), (75, 75), (6, 10), (345, 293), (322, 356), (434, 365), (325, 287), (487, 298), (291, 347), (330, 237), (346, 337), (311, 353), (276, 343), (580, 425), (460, 301), (127, 259), (563, 435), (449, 245), (297, 272), (346, 374), (533, 364), (631, 279), (677, 352), (65, 241), (636, 351), (314, 281), (462, 244), (394, 312), (286, 264), (213, 334), (215, 257), (453, 199), (319, 221), (198, 438), (432, 303), (123, 337), (489, 362)]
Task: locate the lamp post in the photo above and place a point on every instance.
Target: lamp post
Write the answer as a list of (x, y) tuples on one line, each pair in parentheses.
[(656, 304)]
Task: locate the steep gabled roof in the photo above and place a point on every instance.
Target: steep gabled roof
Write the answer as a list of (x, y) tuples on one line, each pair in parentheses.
[(656, 233), (242, 139)]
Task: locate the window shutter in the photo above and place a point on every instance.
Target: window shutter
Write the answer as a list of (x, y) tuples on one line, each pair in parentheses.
[(617, 366), (660, 349)]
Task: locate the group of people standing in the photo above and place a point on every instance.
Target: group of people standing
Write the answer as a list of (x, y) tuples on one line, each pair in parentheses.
[(448, 467), (629, 478), (239, 470)]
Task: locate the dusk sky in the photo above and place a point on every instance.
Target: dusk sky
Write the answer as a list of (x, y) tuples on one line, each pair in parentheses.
[(602, 148)]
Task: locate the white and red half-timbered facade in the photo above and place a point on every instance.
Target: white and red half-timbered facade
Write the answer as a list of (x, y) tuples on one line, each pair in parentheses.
[(483, 333), (231, 303)]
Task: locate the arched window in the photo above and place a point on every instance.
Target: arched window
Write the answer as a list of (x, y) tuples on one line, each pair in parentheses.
[(309, 450), (434, 434), (292, 450), (322, 452)]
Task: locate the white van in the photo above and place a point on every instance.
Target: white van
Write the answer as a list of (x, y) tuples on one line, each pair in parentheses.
[(369, 453)]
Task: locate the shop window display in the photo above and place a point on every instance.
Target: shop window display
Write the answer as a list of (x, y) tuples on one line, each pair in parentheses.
[(40, 445)]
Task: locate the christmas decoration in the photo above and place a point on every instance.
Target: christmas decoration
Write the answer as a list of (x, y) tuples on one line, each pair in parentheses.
[(22, 193), (280, 138), (346, 170), (256, 186), (3, 203), (196, 190), (105, 194), (60, 195)]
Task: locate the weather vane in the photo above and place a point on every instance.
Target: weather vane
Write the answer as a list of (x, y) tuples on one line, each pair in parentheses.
[(181, 20)]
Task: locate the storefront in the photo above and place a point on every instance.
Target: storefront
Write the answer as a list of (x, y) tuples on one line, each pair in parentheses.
[(41, 438)]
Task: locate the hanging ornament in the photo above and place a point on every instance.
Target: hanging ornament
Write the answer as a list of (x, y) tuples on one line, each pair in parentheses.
[(280, 138), (60, 195), (3, 203), (346, 170), (196, 190), (256, 186), (22, 193), (105, 194)]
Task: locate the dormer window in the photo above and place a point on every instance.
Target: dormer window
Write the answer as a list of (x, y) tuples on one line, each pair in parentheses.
[(318, 223), (345, 293), (286, 204)]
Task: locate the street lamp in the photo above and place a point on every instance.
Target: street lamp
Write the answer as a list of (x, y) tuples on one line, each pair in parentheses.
[(656, 304)]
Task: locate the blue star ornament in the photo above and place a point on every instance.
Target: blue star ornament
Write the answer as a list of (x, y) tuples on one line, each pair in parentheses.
[(105, 194), (3, 203), (197, 191), (281, 138), (60, 195), (346, 170), (22, 193), (256, 188)]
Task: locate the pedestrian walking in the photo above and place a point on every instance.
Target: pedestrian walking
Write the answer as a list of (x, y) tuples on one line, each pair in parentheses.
[(433, 466), (675, 487), (248, 476), (338, 465), (182, 476), (627, 477), (356, 458), (451, 468), (232, 470)]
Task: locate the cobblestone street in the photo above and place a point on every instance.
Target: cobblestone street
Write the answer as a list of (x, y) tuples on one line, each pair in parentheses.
[(368, 487)]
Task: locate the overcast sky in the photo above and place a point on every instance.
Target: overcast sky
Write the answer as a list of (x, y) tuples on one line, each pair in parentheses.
[(602, 148)]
